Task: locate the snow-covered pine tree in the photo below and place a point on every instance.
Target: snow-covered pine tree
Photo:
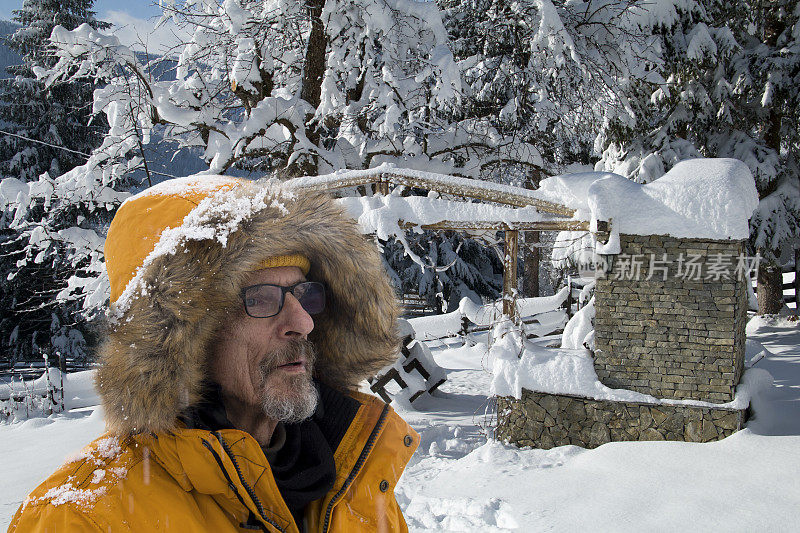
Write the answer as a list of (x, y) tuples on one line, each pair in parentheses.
[(457, 267), (58, 115), (545, 73), (301, 86), (695, 96), (731, 71)]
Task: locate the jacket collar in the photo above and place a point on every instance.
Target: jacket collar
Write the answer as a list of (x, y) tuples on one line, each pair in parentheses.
[(223, 463)]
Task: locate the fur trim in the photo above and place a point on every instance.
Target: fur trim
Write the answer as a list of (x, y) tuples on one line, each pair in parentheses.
[(155, 356)]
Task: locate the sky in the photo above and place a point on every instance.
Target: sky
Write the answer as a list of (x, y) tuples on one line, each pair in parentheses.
[(133, 21)]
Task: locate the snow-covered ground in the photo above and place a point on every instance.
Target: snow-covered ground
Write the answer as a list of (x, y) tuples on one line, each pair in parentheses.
[(750, 481), (460, 481)]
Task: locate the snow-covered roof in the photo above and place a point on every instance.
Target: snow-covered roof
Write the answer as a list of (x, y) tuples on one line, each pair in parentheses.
[(375, 212), (698, 198), (471, 188)]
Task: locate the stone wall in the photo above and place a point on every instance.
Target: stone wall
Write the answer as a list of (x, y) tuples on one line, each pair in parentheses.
[(542, 420), (677, 337)]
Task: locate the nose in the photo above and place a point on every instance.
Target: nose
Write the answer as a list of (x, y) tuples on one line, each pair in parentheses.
[(296, 322)]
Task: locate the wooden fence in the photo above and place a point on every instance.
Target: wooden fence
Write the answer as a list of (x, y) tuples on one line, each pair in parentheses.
[(414, 306), (541, 316), (26, 370)]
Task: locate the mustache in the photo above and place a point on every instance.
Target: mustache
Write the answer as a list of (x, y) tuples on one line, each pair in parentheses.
[(294, 350)]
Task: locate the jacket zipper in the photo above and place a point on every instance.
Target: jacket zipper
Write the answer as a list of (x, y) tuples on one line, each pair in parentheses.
[(244, 483), (231, 484), (359, 463)]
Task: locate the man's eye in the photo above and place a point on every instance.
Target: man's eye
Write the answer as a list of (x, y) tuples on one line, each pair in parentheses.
[(251, 301), (300, 290)]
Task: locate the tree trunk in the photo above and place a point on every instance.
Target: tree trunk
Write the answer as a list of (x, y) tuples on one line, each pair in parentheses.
[(770, 289), (770, 281), (314, 64), (314, 68)]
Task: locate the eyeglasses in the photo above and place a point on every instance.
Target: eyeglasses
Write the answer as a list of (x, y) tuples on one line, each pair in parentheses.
[(266, 300)]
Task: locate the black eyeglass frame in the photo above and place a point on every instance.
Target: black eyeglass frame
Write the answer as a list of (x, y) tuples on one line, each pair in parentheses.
[(284, 289)]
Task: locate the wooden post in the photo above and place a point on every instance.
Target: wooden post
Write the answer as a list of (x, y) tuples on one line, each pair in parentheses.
[(568, 302), (62, 365), (530, 280), (382, 185), (531, 253), (510, 274)]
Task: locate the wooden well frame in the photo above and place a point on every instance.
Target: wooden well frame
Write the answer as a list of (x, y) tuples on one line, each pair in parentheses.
[(468, 189)]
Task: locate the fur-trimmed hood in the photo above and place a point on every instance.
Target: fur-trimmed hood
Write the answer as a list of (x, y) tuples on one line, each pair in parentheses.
[(174, 283)]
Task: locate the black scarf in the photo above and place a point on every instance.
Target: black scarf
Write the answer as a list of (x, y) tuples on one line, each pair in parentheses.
[(303, 467)]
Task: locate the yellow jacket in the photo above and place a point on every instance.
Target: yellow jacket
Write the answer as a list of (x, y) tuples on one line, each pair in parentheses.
[(196, 480)]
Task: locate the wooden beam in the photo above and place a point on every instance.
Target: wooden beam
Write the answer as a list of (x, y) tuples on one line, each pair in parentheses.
[(465, 187), (510, 274), (488, 225), (481, 191), (339, 183)]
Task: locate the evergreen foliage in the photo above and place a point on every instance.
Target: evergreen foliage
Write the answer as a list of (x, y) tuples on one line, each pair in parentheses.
[(457, 267), (60, 116), (547, 72)]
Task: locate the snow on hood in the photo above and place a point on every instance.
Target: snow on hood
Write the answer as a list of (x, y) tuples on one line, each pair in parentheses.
[(199, 184), (220, 211), (698, 198)]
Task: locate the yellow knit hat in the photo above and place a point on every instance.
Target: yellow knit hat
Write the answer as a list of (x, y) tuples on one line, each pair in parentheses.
[(297, 260)]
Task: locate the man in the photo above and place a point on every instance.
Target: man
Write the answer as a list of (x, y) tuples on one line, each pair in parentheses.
[(228, 297)]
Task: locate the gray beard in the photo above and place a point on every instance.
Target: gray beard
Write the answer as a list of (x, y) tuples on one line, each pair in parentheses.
[(298, 399)]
